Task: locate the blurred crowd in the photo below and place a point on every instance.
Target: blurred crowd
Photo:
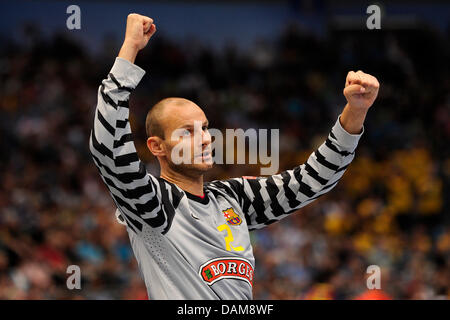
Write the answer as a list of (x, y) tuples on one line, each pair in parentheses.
[(390, 209)]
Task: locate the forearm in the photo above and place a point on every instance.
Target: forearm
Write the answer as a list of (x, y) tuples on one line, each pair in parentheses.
[(114, 93), (352, 119), (128, 51), (265, 200)]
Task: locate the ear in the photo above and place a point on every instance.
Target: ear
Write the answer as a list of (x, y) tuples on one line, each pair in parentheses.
[(156, 146)]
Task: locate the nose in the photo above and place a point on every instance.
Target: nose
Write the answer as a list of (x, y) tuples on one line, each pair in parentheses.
[(206, 138)]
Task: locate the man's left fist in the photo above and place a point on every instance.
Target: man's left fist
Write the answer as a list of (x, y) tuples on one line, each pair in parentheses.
[(361, 89)]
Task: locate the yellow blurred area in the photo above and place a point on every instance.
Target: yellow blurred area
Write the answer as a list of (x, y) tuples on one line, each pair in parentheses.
[(363, 242), (443, 242), (405, 183), (337, 223), (407, 177), (320, 291)]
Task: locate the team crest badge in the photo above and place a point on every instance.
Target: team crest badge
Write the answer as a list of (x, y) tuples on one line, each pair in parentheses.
[(232, 217)]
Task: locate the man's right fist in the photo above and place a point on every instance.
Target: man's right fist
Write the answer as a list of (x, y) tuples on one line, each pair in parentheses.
[(139, 30)]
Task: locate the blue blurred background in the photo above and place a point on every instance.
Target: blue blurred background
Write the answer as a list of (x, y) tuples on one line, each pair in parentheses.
[(269, 64)]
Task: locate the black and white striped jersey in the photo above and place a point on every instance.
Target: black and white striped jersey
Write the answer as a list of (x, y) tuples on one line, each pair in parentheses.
[(189, 247)]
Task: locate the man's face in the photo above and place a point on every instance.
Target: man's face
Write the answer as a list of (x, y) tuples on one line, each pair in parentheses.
[(186, 129)]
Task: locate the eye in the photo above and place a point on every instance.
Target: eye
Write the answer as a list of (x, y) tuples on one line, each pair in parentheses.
[(186, 132), (204, 128)]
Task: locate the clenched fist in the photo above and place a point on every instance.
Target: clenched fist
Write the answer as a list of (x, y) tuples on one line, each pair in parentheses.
[(138, 32), (361, 89)]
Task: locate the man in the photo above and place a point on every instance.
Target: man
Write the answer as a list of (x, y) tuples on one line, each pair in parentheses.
[(190, 238)]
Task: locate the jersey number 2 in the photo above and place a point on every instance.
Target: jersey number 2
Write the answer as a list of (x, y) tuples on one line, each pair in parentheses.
[(229, 238)]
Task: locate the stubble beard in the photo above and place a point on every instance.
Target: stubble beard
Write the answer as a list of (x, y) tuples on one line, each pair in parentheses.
[(190, 170)]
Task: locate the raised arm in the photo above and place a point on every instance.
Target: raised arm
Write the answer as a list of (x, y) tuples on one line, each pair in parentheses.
[(265, 200), (136, 193)]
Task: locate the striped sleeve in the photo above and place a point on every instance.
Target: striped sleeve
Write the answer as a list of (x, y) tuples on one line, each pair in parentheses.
[(265, 200), (139, 196)]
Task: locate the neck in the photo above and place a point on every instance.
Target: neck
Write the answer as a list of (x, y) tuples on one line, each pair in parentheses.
[(191, 184)]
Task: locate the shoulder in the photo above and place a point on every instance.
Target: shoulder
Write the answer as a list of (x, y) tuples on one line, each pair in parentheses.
[(233, 187)]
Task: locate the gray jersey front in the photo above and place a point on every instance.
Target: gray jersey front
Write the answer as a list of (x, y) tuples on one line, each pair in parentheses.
[(188, 247)]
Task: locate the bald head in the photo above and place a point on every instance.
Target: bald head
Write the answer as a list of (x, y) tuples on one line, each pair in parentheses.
[(157, 116), (172, 127)]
